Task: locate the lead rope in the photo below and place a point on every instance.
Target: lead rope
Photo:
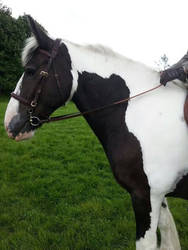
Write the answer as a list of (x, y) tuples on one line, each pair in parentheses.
[(77, 114)]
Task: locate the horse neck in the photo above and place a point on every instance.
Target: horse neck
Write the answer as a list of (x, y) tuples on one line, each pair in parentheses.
[(114, 78), (99, 63), (96, 90), (105, 62)]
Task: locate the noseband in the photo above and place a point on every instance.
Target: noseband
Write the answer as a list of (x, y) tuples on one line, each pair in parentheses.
[(34, 120)]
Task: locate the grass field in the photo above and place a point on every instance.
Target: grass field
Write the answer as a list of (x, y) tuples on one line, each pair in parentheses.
[(57, 192)]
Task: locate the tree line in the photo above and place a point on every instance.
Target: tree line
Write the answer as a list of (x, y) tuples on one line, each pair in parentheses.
[(13, 33)]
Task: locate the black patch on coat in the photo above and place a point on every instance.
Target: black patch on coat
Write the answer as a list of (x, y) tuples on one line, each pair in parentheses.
[(181, 190), (164, 205), (121, 147)]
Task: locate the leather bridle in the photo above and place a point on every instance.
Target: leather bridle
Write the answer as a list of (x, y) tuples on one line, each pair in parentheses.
[(36, 121)]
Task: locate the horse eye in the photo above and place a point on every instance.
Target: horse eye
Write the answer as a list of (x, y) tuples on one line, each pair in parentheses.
[(30, 71)]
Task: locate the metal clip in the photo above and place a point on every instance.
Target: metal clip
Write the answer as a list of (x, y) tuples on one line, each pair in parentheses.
[(30, 111), (44, 73), (34, 121), (33, 104)]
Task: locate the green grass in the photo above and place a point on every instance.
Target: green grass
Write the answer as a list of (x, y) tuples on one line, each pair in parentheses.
[(57, 192)]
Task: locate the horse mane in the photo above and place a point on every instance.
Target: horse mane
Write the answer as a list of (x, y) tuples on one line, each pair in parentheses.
[(107, 52), (101, 49), (96, 48), (31, 45)]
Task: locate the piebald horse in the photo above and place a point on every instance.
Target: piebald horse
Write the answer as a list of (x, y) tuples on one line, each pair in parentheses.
[(145, 139)]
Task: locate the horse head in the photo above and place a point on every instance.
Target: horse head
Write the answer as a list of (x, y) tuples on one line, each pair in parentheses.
[(44, 86)]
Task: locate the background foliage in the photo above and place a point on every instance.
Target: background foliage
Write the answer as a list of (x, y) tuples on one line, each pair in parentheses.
[(13, 32)]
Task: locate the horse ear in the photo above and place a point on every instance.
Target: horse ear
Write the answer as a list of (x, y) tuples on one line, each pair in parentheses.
[(44, 41)]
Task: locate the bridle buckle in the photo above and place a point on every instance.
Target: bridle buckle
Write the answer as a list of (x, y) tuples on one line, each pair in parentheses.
[(33, 104), (34, 121), (44, 73)]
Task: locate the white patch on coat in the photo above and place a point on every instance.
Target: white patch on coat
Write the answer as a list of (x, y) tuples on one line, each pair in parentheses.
[(13, 105), (169, 235), (161, 217), (165, 146), (74, 73), (149, 241)]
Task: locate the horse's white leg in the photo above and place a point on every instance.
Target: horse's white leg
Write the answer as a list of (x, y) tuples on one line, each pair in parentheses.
[(169, 235), (149, 240)]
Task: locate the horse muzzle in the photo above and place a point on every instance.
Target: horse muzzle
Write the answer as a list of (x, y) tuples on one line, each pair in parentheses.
[(18, 128)]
